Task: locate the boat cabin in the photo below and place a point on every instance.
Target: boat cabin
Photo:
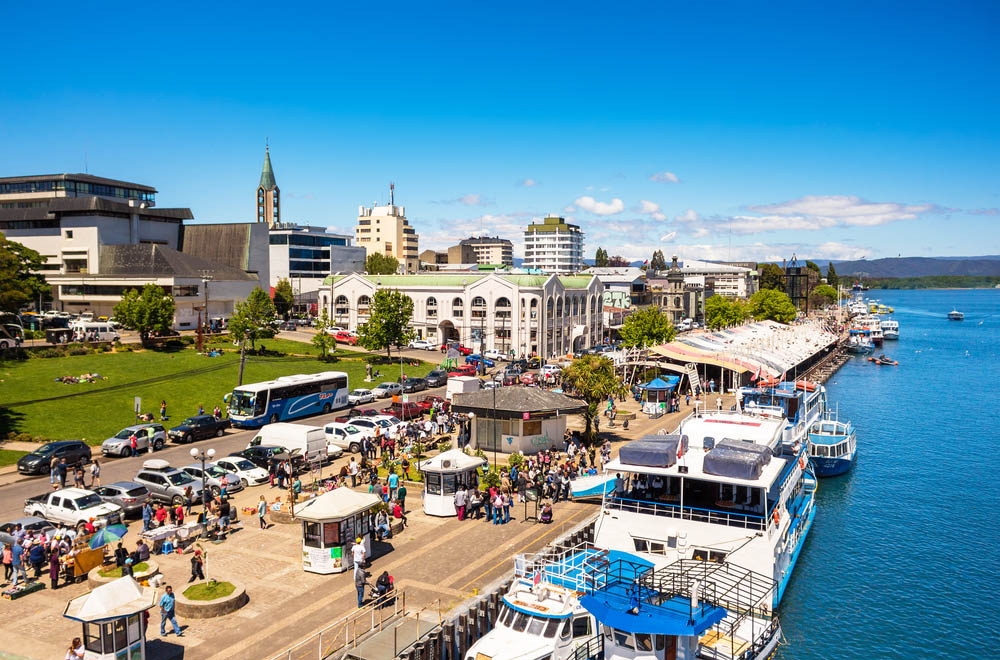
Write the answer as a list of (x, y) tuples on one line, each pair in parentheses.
[(800, 402)]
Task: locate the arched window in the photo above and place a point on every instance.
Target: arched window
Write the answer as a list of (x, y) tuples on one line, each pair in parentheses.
[(576, 306), (559, 307), (593, 305), (534, 308), (502, 308), (478, 307), (432, 307), (457, 308), (548, 308), (677, 303), (364, 305), (340, 306)]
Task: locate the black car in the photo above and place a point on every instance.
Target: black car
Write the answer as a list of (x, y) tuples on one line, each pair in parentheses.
[(436, 378), (414, 385), (521, 364), (261, 455), (75, 452), (198, 427)]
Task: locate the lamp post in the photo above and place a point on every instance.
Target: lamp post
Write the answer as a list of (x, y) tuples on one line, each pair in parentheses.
[(203, 456)]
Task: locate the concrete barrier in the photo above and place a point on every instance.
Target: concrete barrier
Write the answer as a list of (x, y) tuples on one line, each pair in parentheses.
[(207, 609), (94, 579)]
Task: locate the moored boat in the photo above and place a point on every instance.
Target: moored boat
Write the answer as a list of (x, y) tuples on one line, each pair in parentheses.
[(890, 329), (884, 360), (955, 315), (858, 344), (832, 447)]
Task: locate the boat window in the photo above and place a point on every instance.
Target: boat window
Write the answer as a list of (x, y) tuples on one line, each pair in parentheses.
[(716, 556), (520, 622), (551, 627), (505, 616), (536, 626), (565, 630), (581, 626), (661, 641), (641, 545), (699, 554), (608, 630), (623, 639), (643, 642), (656, 548)]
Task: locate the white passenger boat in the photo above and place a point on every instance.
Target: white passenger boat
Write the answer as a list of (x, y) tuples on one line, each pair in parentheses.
[(955, 315), (890, 329), (722, 488)]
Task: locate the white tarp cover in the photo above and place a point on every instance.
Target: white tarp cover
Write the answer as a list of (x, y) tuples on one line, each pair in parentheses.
[(115, 599), (337, 503), (457, 459)]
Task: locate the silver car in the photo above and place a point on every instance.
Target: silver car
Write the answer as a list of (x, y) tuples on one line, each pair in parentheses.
[(126, 494), (167, 484), (215, 477), (385, 390), (146, 435)]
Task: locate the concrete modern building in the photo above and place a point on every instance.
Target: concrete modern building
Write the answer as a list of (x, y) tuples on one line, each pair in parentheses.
[(529, 314), (485, 250), (241, 245), (268, 195), (384, 229), (306, 255), (722, 279), (553, 246)]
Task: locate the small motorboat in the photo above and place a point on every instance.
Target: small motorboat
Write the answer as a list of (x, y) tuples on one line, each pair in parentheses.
[(832, 447), (955, 315), (884, 360), (859, 344)]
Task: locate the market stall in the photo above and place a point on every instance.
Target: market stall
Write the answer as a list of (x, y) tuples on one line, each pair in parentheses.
[(331, 523), (442, 474), (656, 395), (112, 619)]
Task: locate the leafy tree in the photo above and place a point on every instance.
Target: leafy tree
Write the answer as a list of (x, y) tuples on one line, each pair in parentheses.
[(284, 297), (254, 319), (722, 312), (771, 304), (381, 264), (647, 327), (323, 340), (812, 265), (18, 285), (593, 378), (831, 275), (771, 277), (657, 262), (618, 261), (601, 258), (389, 322), (146, 312), (822, 295)]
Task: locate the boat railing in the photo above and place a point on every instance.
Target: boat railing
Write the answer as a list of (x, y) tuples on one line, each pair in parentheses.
[(591, 649), (694, 514), (580, 567)]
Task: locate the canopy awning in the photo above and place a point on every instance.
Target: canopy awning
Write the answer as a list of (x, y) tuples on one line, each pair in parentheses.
[(659, 384), (113, 600), (453, 460), (337, 503)]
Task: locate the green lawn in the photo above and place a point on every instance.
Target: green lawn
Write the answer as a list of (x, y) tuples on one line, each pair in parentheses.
[(10, 456), (183, 378), (209, 590), (117, 570)]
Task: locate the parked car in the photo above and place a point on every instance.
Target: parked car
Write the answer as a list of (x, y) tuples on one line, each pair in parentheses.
[(422, 344), (344, 337), (386, 390), (146, 436), (475, 359), (428, 402), (168, 484), (551, 369), (509, 378), (30, 523), (215, 477), (73, 507), (389, 423), (529, 378), (355, 413), (287, 325), (495, 354), (436, 378), (354, 397), (198, 427), (404, 410), (346, 436), (491, 384), (248, 473), (462, 350), (260, 455), (535, 363), (463, 370), (414, 385), (75, 452), (129, 495)]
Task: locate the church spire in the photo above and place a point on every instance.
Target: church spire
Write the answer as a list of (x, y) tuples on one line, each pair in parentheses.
[(268, 201), (267, 174)]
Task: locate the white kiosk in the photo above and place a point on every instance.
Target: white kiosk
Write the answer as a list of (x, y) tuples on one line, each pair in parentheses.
[(112, 619), (330, 524), (442, 474)]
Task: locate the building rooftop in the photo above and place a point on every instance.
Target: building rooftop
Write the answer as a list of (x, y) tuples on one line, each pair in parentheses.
[(621, 274), (444, 279), (513, 402), (87, 178), (71, 205), (225, 244), (552, 223), (267, 181), (150, 260), (485, 240)]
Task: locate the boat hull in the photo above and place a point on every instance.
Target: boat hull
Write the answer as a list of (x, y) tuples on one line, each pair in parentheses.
[(832, 467), (890, 335)]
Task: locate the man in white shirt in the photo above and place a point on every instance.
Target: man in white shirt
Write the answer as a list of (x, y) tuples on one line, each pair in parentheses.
[(352, 469), (358, 555)]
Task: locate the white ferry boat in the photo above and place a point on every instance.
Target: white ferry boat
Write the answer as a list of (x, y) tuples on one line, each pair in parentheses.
[(800, 403), (722, 488), (890, 329)]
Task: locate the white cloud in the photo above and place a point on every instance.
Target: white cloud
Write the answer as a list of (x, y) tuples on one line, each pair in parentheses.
[(668, 237), (652, 209), (471, 199), (814, 212), (664, 177), (590, 204), (700, 232), (569, 209), (528, 183), (687, 216), (449, 231)]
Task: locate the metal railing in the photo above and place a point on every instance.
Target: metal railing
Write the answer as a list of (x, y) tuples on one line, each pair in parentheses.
[(592, 649), (345, 632), (695, 514)]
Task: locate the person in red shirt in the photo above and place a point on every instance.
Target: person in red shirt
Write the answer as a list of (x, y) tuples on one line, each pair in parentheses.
[(161, 516), (397, 512), (89, 527), (179, 513)]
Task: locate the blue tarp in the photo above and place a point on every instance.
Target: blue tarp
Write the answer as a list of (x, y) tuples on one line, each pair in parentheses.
[(659, 384), (673, 617)]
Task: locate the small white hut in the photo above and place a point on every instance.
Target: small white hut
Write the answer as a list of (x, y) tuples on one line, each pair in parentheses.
[(112, 619)]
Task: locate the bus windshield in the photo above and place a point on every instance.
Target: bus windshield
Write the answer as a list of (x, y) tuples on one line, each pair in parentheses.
[(247, 403)]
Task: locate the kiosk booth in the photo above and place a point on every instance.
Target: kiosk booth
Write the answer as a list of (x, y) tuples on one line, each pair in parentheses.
[(442, 474), (331, 523), (657, 393), (112, 619)]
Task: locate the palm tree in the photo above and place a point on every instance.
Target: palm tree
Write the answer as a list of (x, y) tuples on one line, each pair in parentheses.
[(593, 378)]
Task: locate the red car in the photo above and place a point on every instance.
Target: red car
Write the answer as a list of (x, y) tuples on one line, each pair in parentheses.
[(464, 370), (529, 379), (428, 402), (345, 338), (462, 350), (404, 410)]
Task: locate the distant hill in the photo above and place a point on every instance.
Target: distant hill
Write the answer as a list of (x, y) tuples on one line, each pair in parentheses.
[(918, 266)]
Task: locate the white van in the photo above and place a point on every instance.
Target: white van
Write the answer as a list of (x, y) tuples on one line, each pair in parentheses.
[(307, 441), (101, 329), (462, 385)]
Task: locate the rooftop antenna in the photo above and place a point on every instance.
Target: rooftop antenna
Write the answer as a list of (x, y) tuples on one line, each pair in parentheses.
[(392, 194)]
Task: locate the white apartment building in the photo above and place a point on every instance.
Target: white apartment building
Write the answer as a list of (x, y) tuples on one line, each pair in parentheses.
[(553, 246), (384, 229), (528, 314), (720, 279)]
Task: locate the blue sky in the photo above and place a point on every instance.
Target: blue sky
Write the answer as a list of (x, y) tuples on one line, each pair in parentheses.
[(713, 130)]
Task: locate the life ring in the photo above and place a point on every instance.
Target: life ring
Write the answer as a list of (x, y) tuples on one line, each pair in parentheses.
[(776, 517), (802, 462)]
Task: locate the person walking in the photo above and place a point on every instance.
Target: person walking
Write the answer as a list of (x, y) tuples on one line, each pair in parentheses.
[(197, 567), (54, 472), (147, 516), (460, 502), (17, 562), (61, 469), (506, 501), (54, 566), (497, 508), (261, 512), (352, 469), (393, 484), (167, 605), (359, 583), (6, 558), (95, 473)]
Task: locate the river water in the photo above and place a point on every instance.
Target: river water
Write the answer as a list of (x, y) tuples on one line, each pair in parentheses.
[(902, 561)]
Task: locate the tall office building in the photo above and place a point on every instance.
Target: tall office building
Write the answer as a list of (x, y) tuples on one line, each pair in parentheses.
[(384, 230), (488, 250), (553, 246), (268, 200)]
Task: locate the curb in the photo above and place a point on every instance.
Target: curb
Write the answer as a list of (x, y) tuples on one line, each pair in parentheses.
[(208, 609)]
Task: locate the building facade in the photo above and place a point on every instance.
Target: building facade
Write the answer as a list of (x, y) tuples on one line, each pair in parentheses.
[(727, 280), (553, 246), (674, 296), (268, 195), (385, 230), (306, 255), (526, 314), (485, 250)]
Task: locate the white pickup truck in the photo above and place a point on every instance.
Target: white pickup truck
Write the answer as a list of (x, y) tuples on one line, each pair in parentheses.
[(73, 507)]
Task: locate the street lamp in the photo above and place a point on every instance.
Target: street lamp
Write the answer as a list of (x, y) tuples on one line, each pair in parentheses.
[(203, 456)]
